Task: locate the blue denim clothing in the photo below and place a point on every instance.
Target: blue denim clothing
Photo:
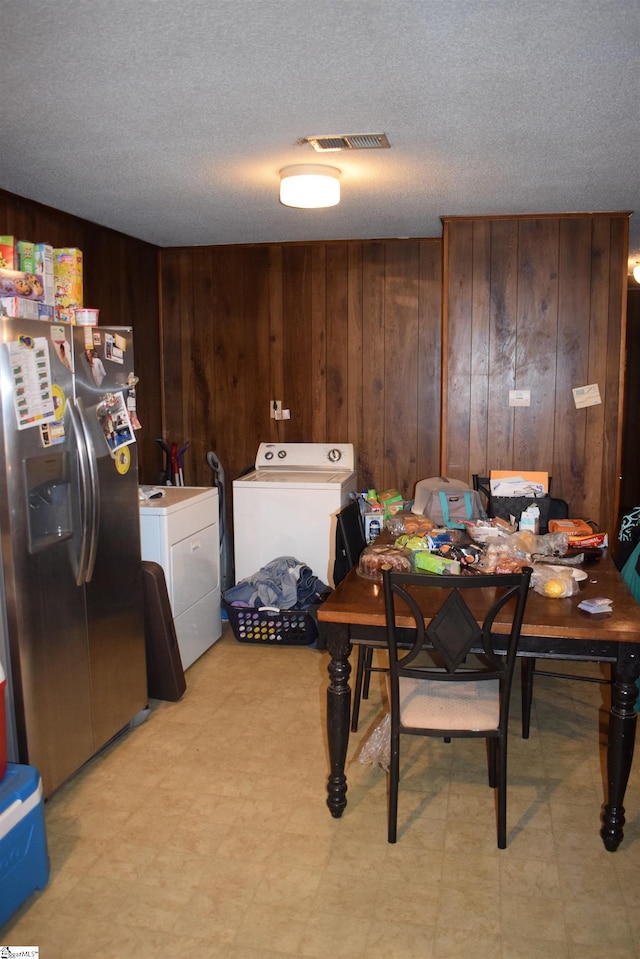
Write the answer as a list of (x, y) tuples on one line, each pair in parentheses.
[(285, 583)]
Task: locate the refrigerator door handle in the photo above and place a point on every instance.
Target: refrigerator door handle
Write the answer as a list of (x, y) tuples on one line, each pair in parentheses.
[(93, 499), (85, 492)]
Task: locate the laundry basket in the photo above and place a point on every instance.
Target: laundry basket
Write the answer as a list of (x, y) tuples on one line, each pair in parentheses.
[(272, 627)]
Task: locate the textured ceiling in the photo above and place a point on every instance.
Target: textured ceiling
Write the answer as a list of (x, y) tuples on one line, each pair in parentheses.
[(169, 120)]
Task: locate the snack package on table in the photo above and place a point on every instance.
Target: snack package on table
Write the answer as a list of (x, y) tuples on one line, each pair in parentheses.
[(404, 522), (373, 558), (555, 583)]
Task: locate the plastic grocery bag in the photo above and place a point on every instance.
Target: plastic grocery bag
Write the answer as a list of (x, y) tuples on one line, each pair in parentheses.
[(554, 582), (376, 750)]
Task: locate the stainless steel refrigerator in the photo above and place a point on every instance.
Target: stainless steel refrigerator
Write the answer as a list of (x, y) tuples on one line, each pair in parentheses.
[(71, 577)]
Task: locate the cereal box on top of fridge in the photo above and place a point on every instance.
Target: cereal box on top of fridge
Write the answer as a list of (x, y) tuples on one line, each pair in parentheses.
[(26, 260), (43, 257), (67, 261), (67, 273), (8, 258)]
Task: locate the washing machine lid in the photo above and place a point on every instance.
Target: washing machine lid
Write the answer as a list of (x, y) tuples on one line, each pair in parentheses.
[(306, 456), (296, 479)]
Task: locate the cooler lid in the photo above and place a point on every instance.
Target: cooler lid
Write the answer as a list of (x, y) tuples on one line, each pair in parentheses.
[(20, 784)]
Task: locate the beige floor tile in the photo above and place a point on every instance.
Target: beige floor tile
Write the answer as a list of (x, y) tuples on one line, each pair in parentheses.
[(589, 921), (458, 943), (205, 832), (520, 948), (399, 940), (531, 918), (331, 935)]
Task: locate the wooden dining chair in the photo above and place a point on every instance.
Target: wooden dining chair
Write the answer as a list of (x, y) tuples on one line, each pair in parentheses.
[(350, 540), (451, 694)]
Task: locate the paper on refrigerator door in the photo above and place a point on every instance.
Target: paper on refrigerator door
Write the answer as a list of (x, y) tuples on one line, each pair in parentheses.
[(32, 389)]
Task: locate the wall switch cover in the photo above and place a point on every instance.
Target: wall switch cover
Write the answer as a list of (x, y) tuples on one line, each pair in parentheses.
[(519, 397)]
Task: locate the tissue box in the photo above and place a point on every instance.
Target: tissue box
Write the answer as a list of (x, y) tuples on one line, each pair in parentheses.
[(24, 861)]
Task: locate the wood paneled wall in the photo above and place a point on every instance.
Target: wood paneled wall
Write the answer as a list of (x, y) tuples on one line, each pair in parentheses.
[(121, 279), (536, 303), (347, 335)]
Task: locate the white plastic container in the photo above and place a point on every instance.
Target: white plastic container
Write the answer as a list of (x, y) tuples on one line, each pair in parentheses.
[(86, 316), (530, 519)]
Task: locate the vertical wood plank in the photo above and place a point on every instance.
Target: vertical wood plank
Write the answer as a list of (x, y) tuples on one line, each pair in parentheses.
[(355, 321), (296, 302), (502, 345), (429, 360), (536, 345), (574, 300), (480, 347), (338, 337), (276, 332), (372, 452), (401, 366), (613, 433), (319, 338), (594, 417), (457, 337)]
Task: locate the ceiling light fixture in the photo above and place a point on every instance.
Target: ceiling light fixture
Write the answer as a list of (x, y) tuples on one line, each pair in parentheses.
[(636, 272), (309, 186)]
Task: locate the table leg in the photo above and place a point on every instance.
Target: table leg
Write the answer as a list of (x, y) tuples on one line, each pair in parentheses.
[(338, 713), (620, 743)]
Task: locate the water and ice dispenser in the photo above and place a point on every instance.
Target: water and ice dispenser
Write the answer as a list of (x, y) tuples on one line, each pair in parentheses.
[(48, 485)]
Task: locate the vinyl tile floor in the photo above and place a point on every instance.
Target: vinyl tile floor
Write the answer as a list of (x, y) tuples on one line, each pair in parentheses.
[(205, 833)]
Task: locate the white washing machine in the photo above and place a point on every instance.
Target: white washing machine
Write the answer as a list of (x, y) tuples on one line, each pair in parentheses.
[(287, 505)]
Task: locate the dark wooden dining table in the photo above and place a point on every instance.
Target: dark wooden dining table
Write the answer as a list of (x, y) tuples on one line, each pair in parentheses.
[(552, 629)]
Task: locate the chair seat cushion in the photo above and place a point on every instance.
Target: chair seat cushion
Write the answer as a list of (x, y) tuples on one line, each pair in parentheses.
[(469, 705)]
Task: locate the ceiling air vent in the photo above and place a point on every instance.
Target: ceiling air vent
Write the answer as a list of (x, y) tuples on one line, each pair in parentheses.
[(350, 141)]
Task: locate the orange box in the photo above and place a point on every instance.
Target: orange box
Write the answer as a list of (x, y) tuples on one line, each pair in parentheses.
[(575, 527), (530, 476)]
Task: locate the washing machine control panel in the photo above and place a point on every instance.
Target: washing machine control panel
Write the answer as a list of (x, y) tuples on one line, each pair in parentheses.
[(305, 456)]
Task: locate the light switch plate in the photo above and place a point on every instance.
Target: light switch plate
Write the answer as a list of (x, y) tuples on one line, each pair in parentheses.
[(519, 397)]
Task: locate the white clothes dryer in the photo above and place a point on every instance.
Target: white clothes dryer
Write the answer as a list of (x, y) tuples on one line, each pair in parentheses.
[(288, 504)]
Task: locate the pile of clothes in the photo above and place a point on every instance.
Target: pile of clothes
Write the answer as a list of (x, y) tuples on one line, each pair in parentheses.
[(284, 583)]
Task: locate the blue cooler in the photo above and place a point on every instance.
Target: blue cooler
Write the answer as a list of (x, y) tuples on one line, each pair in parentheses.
[(24, 862)]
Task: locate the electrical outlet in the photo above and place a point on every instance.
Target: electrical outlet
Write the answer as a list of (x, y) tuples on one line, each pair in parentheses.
[(275, 406)]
